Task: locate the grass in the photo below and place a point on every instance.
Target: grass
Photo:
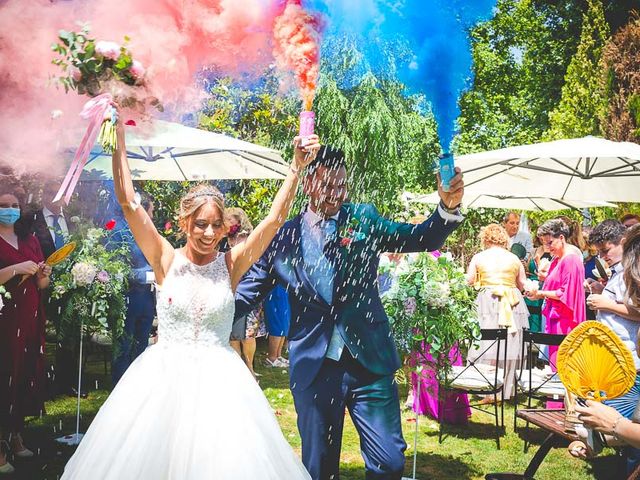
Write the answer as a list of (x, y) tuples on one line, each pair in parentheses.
[(466, 453)]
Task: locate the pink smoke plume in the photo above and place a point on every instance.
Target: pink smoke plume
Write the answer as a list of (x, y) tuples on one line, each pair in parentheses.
[(173, 39), (296, 34)]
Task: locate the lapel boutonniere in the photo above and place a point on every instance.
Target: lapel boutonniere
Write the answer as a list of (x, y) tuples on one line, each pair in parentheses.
[(349, 233)]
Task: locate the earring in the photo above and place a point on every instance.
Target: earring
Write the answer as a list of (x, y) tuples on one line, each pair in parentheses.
[(188, 234)]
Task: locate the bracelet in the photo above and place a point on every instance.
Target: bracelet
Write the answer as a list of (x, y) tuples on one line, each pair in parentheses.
[(615, 426), (452, 211), (295, 170)]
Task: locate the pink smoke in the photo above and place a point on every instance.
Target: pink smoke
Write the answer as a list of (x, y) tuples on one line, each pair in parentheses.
[(173, 39), (296, 48)]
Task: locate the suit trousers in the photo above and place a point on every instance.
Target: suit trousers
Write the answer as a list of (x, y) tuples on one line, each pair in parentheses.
[(372, 401)]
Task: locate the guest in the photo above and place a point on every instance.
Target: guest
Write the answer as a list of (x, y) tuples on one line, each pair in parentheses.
[(589, 273), (277, 315), (499, 276), (563, 290), (604, 418), (630, 219), (52, 228), (141, 299), (631, 265), (246, 328), (536, 320), (22, 328), (511, 223)]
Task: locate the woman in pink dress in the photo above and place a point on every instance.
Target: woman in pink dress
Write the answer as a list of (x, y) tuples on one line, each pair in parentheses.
[(563, 288)]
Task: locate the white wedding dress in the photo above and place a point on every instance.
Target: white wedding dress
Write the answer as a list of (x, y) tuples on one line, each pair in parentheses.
[(187, 408)]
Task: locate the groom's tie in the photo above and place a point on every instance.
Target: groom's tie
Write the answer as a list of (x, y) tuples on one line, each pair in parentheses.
[(329, 229)]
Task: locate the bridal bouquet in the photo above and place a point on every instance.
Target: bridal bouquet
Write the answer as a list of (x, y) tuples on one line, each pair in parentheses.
[(91, 284), (95, 67), (430, 302)]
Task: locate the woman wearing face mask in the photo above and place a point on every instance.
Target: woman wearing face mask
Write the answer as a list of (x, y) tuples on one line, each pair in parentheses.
[(22, 323)]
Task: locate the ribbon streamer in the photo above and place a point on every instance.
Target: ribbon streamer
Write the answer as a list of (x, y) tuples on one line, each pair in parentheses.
[(94, 111)]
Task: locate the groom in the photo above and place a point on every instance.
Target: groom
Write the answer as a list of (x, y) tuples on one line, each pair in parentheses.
[(340, 347)]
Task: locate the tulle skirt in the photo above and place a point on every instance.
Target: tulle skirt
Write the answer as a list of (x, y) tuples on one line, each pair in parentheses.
[(187, 412)]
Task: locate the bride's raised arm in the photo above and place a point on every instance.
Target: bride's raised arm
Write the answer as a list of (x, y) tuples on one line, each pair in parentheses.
[(242, 256), (156, 249)]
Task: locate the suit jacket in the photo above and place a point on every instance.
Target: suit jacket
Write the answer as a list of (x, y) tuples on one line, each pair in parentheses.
[(41, 230), (356, 307)]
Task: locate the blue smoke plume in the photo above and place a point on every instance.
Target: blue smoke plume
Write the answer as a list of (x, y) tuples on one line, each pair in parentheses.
[(436, 32)]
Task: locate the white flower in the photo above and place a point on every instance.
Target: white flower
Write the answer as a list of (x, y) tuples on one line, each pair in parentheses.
[(83, 274), (75, 219), (1, 302), (94, 234)]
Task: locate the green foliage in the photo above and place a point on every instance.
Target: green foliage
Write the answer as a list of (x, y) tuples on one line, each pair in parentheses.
[(520, 57), (621, 62), (583, 100), (430, 301), (91, 285)]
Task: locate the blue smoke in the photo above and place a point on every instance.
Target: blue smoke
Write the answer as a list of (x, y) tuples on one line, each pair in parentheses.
[(435, 31)]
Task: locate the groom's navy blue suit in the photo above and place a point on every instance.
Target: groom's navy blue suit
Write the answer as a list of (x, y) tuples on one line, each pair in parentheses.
[(362, 377)]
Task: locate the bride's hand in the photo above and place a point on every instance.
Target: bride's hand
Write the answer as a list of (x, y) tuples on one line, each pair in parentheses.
[(303, 156)]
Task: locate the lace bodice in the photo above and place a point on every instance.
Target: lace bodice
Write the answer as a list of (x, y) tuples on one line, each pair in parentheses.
[(195, 303)]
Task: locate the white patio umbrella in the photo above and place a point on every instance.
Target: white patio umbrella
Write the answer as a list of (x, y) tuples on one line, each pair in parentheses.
[(581, 169), (175, 152), (474, 199)]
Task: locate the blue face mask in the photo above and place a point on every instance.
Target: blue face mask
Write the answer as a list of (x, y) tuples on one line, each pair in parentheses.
[(9, 216)]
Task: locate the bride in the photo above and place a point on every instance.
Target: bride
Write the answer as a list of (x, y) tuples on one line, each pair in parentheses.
[(188, 408)]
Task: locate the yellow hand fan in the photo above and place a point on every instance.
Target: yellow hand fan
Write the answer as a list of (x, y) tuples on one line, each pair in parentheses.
[(61, 254), (594, 364), (56, 257)]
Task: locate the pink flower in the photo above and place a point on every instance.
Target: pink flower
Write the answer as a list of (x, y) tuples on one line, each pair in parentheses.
[(168, 226), (76, 74), (109, 50), (136, 70), (102, 276)]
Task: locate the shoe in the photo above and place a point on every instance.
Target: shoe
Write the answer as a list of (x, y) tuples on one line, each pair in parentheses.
[(73, 392), (275, 364), (284, 361), (24, 453), (7, 468)]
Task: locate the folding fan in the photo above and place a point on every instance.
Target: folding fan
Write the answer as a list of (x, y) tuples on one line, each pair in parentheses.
[(594, 364)]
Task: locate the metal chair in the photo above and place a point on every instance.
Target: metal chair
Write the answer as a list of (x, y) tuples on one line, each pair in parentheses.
[(478, 378)]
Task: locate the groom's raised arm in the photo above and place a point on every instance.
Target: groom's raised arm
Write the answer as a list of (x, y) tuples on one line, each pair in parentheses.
[(256, 284), (405, 237)]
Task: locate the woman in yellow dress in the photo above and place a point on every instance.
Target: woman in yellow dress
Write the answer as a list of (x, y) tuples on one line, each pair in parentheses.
[(499, 277)]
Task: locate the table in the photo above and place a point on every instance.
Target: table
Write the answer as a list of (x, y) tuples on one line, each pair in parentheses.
[(552, 421)]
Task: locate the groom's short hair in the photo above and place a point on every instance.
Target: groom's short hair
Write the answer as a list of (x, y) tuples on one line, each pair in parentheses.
[(328, 157)]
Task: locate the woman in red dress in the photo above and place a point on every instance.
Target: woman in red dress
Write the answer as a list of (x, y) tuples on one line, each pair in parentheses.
[(22, 324)]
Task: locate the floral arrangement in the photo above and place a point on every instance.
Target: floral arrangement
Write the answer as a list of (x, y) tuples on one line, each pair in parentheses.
[(429, 301), (94, 67), (348, 233), (92, 284)]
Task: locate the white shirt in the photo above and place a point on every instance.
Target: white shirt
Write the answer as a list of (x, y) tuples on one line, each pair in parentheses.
[(49, 216), (627, 330)]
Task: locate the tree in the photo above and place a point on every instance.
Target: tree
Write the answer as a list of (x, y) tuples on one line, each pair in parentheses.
[(621, 62), (520, 57), (583, 99)]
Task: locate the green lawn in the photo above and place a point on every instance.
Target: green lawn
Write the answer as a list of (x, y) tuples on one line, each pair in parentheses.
[(466, 453)]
